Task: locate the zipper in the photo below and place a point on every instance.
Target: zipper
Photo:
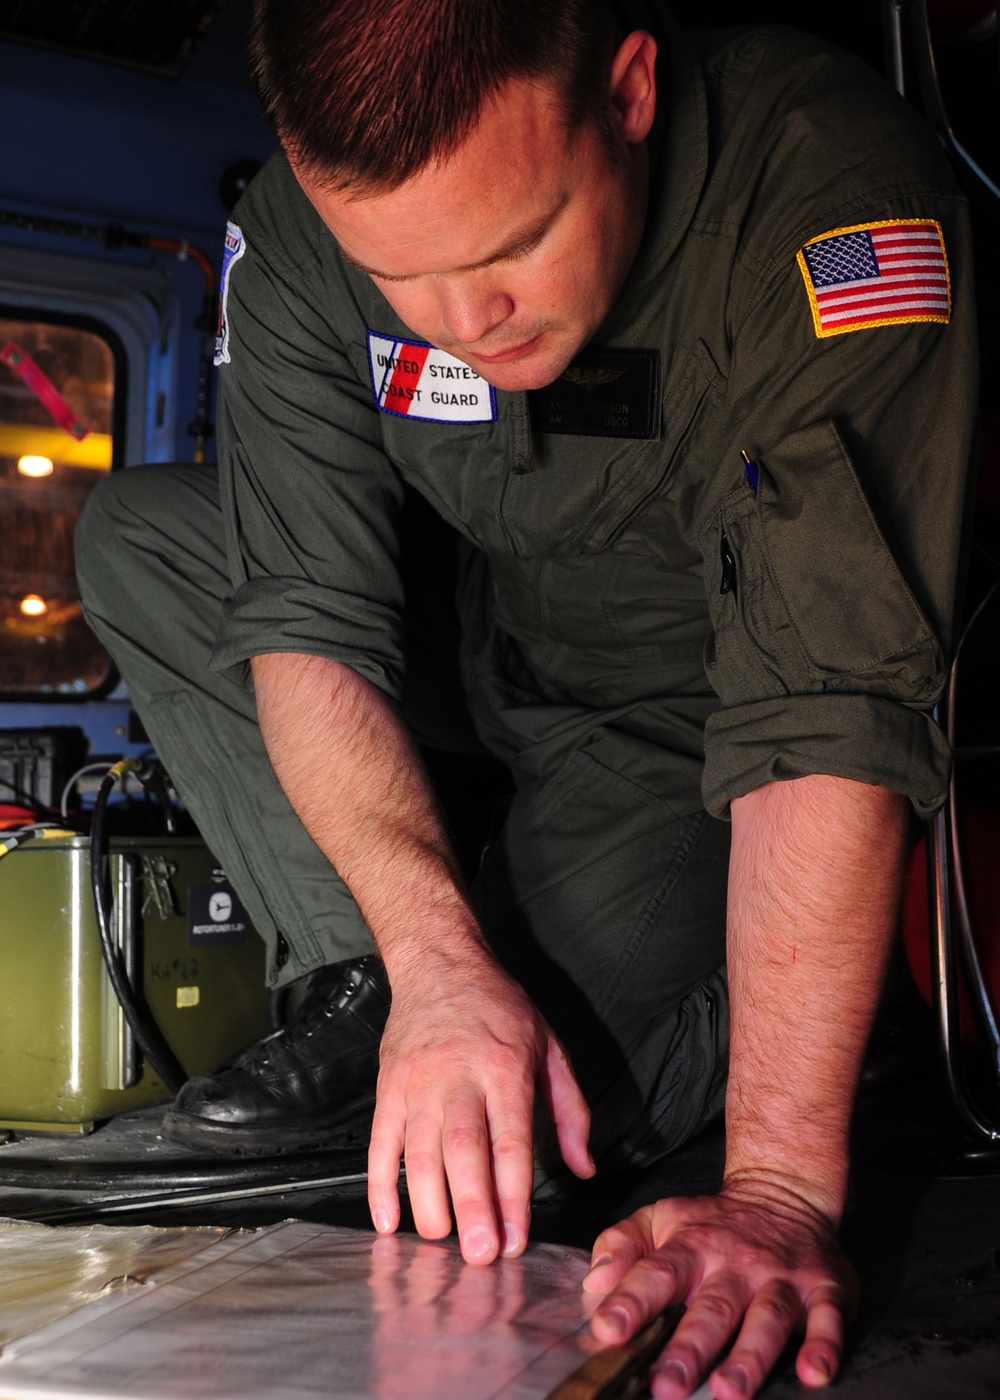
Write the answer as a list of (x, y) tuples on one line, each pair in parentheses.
[(727, 583)]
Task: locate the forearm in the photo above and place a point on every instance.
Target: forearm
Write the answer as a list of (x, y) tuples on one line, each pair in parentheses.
[(350, 769), (464, 1048), (815, 875)]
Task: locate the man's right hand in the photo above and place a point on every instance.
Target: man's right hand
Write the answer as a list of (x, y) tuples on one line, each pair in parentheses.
[(464, 1051), (463, 1055)]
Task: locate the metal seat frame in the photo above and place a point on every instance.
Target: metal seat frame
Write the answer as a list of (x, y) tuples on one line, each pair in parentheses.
[(908, 48)]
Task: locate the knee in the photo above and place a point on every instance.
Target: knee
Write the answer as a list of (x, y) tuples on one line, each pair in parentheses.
[(97, 521), (98, 539), (129, 519), (120, 505)]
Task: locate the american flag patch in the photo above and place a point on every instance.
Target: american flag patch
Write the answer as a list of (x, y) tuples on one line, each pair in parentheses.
[(880, 274)]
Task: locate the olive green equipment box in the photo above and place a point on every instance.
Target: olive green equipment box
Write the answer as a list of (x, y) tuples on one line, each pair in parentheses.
[(67, 1056)]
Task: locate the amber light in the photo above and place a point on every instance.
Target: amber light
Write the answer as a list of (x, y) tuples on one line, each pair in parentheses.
[(32, 465), (33, 606)]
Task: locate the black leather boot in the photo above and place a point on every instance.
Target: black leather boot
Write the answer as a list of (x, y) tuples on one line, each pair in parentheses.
[(309, 1085)]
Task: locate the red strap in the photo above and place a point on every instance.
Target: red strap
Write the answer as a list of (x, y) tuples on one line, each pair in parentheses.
[(43, 389)]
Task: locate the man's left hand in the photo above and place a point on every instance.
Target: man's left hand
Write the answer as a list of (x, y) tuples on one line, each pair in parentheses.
[(754, 1264)]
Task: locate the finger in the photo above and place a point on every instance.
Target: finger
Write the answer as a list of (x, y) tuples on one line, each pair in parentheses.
[(425, 1175), (567, 1108), (385, 1149), (617, 1249), (468, 1165), (712, 1317), (656, 1281), (513, 1173), (771, 1318), (819, 1356)]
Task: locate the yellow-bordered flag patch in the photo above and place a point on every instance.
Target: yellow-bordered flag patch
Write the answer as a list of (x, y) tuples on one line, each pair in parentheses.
[(879, 274)]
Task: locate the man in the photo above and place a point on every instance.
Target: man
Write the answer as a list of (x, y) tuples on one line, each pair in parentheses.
[(693, 375)]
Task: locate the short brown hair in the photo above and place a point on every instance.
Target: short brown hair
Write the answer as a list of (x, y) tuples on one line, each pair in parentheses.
[(364, 93)]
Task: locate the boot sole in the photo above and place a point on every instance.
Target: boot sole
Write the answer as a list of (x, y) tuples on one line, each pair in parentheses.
[(350, 1130)]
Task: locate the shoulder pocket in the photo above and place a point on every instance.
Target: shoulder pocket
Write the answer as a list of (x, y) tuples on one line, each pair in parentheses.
[(808, 595)]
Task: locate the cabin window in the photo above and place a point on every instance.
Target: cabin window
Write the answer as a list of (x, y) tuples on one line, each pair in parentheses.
[(61, 397)]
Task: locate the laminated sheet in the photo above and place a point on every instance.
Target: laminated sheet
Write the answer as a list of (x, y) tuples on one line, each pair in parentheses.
[(300, 1310), (46, 1273)]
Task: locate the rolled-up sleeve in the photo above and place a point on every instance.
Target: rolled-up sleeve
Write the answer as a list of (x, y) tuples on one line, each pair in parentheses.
[(832, 585), (310, 502)]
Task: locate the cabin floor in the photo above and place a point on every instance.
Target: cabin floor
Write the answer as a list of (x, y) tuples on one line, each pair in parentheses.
[(922, 1228)]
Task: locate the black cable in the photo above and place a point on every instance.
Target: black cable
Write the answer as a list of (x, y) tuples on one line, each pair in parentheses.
[(147, 1034), (151, 776), (141, 1178), (87, 1212), (22, 798)]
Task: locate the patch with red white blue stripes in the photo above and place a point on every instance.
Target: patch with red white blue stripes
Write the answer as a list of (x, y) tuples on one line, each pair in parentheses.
[(412, 379), (881, 274)]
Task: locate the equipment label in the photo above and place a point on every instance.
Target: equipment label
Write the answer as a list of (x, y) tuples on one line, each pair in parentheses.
[(215, 915)]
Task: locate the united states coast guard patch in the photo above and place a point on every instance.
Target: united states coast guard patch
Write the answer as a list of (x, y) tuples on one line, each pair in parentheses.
[(234, 249), (880, 274), (415, 380)]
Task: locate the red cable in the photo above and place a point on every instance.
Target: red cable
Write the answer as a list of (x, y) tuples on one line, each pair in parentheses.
[(185, 250)]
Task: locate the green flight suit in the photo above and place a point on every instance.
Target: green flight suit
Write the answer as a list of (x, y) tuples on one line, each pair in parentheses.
[(650, 627)]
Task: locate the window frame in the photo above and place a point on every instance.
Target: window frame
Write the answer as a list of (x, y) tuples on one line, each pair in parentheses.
[(136, 312)]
